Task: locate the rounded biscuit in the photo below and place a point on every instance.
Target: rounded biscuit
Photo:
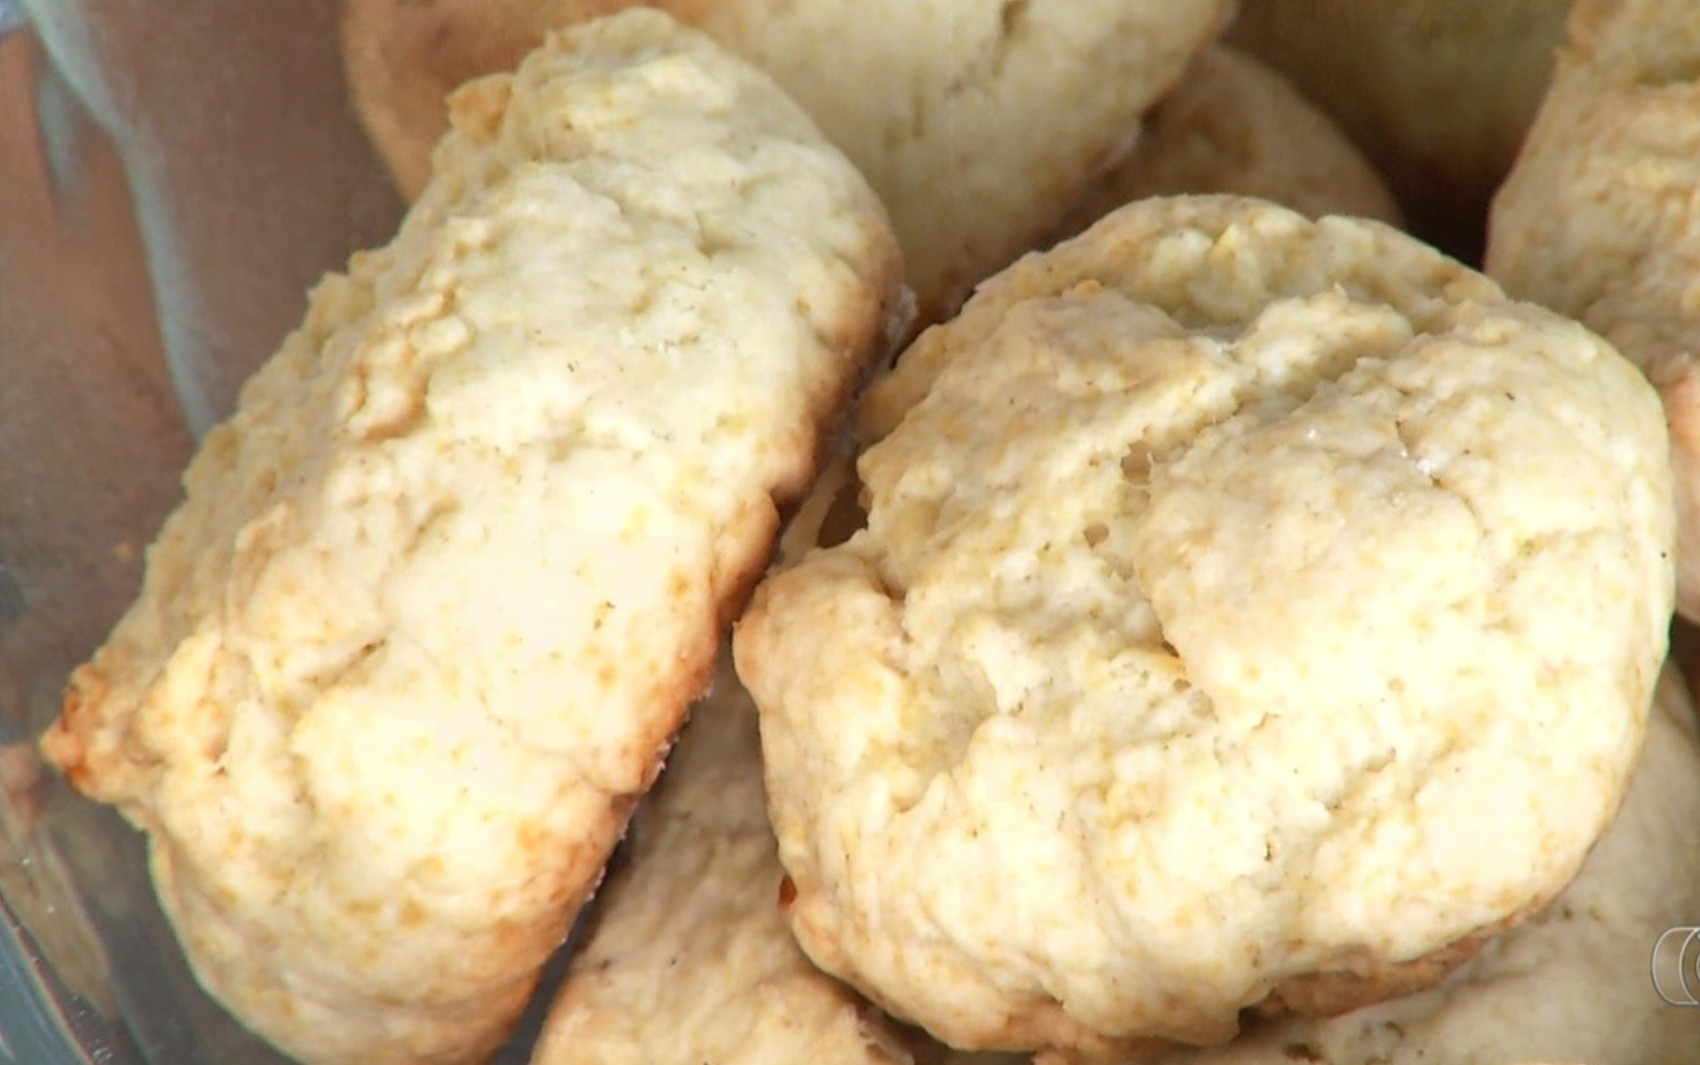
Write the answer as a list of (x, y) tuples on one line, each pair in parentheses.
[(941, 105), (442, 588), (1234, 588)]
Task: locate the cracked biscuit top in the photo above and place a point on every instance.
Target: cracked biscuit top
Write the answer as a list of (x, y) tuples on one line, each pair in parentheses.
[(1243, 599)]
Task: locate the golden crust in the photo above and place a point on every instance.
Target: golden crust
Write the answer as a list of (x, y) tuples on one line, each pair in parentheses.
[(441, 590), (1194, 609)]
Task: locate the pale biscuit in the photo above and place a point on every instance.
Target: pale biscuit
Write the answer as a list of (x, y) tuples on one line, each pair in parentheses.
[(442, 589), (1570, 983), (1233, 125), (977, 123), (1234, 589), (1600, 219), (1438, 93), (688, 958)]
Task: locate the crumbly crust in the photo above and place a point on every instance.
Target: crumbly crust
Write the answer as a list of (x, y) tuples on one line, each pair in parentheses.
[(1233, 590), (441, 590)]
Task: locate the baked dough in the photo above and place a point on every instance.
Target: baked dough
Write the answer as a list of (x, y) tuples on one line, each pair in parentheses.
[(1600, 219), (1569, 984), (688, 958), (978, 123), (1438, 93), (1232, 125), (1234, 589), (442, 589)]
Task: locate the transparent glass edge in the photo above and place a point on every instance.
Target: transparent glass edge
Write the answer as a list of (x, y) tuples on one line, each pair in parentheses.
[(32, 1018)]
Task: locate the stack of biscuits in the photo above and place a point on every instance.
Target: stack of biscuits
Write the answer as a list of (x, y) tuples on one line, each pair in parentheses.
[(1133, 596)]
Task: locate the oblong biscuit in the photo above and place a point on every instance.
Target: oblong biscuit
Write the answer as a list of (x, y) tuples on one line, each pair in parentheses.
[(1235, 590), (441, 590)]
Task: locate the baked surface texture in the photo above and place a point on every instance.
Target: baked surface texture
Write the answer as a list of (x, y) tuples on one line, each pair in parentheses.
[(689, 960), (1252, 610), (1570, 983), (441, 590), (977, 123), (1233, 125), (1600, 218)]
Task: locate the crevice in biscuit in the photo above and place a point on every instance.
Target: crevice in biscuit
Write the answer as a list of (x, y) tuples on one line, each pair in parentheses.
[(1013, 21), (1136, 463)]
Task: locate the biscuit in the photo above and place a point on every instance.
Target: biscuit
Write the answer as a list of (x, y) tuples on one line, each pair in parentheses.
[(1234, 588), (688, 959), (1599, 218), (1570, 983), (441, 590), (1438, 93), (1233, 125), (940, 105)]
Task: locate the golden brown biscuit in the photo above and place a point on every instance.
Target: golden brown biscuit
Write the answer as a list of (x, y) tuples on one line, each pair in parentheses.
[(977, 123), (1600, 219), (443, 587), (1233, 587), (1438, 93), (1233, 125)]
